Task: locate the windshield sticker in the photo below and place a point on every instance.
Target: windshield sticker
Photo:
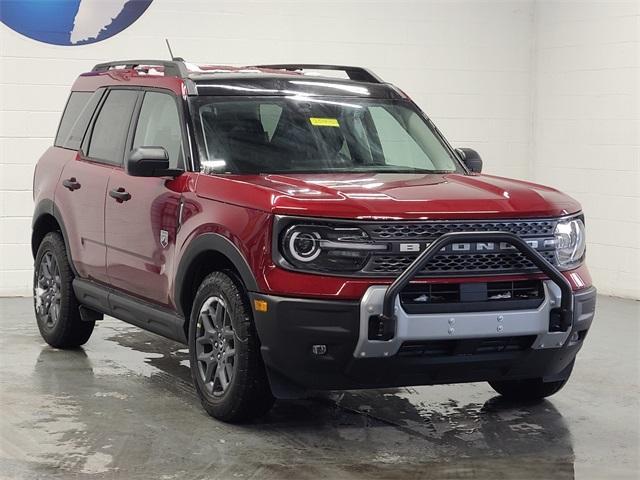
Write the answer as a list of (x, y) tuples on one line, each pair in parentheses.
[(324, 122)]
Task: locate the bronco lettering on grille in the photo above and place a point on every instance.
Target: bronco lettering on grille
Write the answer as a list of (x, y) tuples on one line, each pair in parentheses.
[(538, 244)]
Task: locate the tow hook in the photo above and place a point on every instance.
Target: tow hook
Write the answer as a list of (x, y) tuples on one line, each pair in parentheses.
[(382, 327)]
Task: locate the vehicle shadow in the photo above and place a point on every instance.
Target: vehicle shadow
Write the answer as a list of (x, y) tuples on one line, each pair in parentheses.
[(443, 426), (426, 432)]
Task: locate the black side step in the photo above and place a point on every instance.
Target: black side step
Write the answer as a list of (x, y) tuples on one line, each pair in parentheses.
[(104, 300)]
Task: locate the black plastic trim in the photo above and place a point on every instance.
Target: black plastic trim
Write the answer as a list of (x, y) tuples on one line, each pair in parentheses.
[(212, 242), (130, 309), (291, 326), (288, 330), (47, 207), (92, 295)]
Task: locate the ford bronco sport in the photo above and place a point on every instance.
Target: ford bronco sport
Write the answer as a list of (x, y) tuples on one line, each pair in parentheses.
[(300, 232)]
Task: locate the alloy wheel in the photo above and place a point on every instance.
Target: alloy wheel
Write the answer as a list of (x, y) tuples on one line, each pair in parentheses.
[(47, 290), (215, 346)]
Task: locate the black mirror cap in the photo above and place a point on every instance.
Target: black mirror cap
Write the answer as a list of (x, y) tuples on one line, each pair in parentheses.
[(471, 159), (148, 162)]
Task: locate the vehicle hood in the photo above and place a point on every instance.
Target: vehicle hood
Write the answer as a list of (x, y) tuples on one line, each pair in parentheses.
[(388, 196)]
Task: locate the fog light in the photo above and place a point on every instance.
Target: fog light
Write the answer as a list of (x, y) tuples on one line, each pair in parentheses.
[(575, 337), (319, 349)]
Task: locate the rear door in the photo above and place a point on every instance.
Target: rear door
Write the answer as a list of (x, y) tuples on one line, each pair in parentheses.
[(102, 151), (141, 231), (80, 194)]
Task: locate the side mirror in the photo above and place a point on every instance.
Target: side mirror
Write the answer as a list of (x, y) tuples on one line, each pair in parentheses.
[(149, 162), (471, 159)]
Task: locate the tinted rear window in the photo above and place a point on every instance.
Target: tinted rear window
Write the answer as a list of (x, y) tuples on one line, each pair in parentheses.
[(76, 103), (111, 126)]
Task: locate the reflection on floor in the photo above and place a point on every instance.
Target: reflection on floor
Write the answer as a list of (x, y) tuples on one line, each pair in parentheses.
[(123, 407)]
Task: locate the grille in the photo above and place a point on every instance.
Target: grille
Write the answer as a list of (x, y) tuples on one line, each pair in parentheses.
[(476, 263), (460, 297), (414, 231), (455, 263), (432, 293)]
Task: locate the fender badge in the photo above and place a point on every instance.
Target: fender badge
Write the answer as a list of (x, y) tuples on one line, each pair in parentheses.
[(164, 238)]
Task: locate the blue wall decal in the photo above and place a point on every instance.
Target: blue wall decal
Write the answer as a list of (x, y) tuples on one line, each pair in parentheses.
[(70, 22)]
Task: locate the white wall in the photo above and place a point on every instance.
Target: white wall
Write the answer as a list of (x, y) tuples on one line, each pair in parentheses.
[(586, 130), (466, 63), (472, 65)]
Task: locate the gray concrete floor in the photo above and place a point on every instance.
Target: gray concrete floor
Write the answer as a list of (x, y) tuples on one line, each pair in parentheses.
[(123, 408)]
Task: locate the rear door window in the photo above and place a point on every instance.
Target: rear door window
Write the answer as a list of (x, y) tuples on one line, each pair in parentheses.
[(111, 126)]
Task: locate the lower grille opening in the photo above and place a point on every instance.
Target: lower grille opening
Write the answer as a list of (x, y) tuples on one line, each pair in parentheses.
[(467, 346), (467, 297)]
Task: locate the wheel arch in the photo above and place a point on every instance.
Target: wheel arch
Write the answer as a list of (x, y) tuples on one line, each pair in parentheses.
[(207, 253), (47, 218)]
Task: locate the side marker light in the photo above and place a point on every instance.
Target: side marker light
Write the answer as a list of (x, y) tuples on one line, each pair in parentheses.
[(260, 305)]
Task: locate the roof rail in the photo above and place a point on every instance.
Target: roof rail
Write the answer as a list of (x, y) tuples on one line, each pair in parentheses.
[(173, 68), (358, 74)]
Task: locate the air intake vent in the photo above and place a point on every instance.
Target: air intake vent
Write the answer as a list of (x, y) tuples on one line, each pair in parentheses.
[(450, 348), (479, 297)]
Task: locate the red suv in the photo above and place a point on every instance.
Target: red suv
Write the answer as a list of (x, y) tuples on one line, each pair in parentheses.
[(300, 232)]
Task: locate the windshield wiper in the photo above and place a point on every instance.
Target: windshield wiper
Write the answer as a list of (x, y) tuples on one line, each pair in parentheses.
[(408, 170), (361, 169)]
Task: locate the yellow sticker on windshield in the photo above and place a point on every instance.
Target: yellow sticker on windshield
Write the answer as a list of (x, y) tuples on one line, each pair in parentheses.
[(324, 122)]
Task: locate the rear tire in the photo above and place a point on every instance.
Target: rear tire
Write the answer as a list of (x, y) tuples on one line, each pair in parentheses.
[(54, 301), (224, 352)]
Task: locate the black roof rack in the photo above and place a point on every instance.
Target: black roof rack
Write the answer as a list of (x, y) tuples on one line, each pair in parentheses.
[(178, 68), (173, 68), (357, 74)]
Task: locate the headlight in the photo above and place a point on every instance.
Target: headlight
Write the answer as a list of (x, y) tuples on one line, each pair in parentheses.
[(570, 243), (326, 248)]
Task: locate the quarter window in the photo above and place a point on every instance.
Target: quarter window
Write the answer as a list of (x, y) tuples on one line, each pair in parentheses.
[(76, 103), (76, 135)]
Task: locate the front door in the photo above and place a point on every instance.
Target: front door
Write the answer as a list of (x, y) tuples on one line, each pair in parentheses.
[(141, 213)]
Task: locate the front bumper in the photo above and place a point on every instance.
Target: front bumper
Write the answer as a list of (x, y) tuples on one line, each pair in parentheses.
[(312, 344), (291, 328)]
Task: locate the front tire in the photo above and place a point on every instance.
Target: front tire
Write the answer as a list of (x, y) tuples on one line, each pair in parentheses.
[(54, 301), (224, 352)]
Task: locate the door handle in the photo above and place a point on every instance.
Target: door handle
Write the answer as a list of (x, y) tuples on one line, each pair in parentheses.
[(71, 183), (121, 195)]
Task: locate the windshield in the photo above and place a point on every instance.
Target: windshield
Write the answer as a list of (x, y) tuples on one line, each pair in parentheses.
[(317, 135)]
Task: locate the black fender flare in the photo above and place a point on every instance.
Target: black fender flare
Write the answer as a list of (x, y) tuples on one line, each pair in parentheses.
[(211, 242), (48, 207)]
